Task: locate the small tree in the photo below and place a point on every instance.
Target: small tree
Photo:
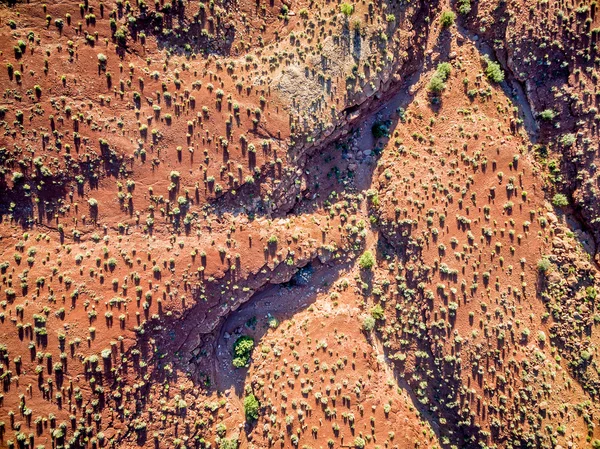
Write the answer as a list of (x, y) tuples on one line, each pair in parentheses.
[(380, 129), (251, 407), (447, 19), (102, 60), (242, 349), (436, 85), (560, 200), (438, 80), (366, 261), (568, 140), (228, 443), (494, 72), (368, 323), (547, 115), (347, 9), (543, 265), (464, 7), (359, 443), (377, 312)]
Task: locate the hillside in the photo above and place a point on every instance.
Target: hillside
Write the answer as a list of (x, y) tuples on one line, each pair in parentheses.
[(302, 224)]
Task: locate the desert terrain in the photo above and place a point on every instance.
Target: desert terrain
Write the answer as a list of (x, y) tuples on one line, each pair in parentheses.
[(299, 224)]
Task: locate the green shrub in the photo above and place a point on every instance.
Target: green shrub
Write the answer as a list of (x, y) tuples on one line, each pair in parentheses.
[(380, 129), (543, 265), (377, 312), (494, 72), (541, 337), (347, 9), (560, 200), (568, 140), (251, 407), (438, 80), (242, 349), (447, 19), (436, 85), (366, 261), (121, 36), (228, 443), (464, 7), (368, 323), (359, 443), (547, 115), (443, 70)]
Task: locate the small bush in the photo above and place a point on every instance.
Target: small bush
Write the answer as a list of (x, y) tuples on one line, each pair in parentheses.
[(347, 9), (494, 72), (436, 85), (251, 407), (543, 265), (464, 7), (443, 70), (359, 443), (377, 312), (568, 140), (366, 261), (560, 200), (380, 129), (228, 443), (242, 349), (541, 337), (438, 80), (547, 115), (121, 37), (273, 322), (368, 323), (447, 19)]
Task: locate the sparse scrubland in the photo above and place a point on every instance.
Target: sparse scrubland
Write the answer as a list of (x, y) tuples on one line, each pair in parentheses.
[(314, 224)]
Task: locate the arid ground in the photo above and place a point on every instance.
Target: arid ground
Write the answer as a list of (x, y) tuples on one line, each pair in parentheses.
[(300, 224)]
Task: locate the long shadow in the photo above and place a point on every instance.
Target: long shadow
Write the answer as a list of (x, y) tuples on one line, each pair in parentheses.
[(515, 89), (423, 338), (409, 390), (314, 197), (254, 318), (183, 327), (511, 87), (565, 62), (193, 37), (356, 116), (17, 200)]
